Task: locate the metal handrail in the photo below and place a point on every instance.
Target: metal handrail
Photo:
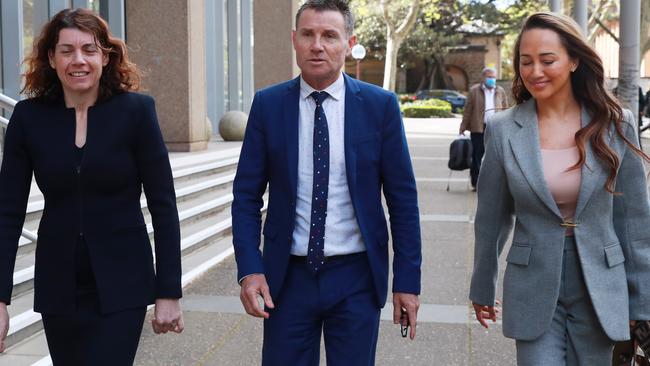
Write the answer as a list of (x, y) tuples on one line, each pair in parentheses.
[(9, 104)]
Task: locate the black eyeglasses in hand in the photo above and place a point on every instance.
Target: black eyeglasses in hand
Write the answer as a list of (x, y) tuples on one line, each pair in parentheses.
[(403, 323)]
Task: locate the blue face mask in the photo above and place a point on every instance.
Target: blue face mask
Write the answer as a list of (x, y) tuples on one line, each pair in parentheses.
[(490, 82)]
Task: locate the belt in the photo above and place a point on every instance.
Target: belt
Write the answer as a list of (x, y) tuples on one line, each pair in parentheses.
[(331, 258)]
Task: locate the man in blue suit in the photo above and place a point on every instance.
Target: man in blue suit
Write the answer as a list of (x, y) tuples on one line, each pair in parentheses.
[(326, 145)]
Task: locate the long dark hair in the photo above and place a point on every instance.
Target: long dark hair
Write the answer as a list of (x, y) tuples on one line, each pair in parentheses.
[(588, 86), (118, 76)]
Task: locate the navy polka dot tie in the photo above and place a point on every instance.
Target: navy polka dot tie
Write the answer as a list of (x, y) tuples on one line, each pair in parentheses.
[(316, 248)]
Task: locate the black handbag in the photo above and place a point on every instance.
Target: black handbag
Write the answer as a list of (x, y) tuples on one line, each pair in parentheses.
[(635, 352)]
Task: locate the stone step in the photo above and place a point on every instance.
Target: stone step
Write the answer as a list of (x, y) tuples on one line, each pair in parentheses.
[(183, 176), (186, 190), (203, 184), (208, 236), (191, 217), (31, 349)]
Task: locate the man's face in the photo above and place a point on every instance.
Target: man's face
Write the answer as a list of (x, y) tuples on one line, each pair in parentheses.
[(489, 79), (321, 45)]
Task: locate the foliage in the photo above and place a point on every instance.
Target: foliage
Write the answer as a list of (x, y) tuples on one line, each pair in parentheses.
[(426, 109), (438, 26), (406, 98)]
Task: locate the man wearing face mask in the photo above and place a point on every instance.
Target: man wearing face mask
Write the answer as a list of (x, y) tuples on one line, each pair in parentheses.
[(483, 100)]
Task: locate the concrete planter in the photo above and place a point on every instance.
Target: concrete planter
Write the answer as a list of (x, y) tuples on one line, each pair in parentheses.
[(233, 125)]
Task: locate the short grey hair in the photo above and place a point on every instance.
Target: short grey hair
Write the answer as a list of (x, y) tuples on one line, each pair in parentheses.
[(488, 69), (337, 5)]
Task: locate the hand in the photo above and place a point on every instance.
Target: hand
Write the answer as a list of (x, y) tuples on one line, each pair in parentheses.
[(167, 316), (4, 326), (251, 287), (484, 312), (410, 303), (461, 130)]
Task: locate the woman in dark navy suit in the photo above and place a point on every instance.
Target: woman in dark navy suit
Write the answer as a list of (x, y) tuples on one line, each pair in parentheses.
[(92, 145)]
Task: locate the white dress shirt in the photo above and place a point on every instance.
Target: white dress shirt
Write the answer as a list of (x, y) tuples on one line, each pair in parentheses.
[(342, 234), (489, 102)]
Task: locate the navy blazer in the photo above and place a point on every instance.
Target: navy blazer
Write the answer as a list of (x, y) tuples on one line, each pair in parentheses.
[(376, 158), (101, 201)]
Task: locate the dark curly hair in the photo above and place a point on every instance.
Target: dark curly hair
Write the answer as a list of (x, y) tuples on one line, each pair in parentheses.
[(588, 86), (118, 76)]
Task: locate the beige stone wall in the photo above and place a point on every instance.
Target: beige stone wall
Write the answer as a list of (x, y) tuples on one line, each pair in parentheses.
[(167, 40), (492, 45), (273, 51)]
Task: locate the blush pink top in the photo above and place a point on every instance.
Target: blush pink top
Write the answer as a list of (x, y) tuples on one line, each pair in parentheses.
[(563, 183)]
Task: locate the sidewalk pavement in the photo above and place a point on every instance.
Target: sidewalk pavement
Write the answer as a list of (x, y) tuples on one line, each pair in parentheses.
[(218, 332)]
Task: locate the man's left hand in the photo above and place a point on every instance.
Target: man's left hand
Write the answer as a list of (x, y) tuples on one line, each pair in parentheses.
[(411, 304)]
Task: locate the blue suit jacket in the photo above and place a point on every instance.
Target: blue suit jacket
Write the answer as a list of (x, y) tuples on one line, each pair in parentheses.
[(376, 158)]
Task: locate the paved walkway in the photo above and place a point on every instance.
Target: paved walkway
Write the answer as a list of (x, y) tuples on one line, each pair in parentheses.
[(219, 333)]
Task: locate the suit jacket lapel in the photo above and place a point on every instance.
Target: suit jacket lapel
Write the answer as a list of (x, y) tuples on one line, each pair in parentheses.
[(290, 117), (353, 114), (527, 151), (593, 173)]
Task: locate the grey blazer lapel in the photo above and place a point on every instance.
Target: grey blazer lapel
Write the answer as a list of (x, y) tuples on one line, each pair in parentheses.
[(593, 173), (526, 149)]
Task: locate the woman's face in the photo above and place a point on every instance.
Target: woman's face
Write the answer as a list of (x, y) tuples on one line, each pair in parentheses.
[(78, 61), (544, 64)]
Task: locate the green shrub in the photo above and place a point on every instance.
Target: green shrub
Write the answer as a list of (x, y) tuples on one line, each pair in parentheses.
[(426, 109)]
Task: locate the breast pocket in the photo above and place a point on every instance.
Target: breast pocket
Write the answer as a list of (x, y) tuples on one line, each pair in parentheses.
[(614, 255), (368, 149)]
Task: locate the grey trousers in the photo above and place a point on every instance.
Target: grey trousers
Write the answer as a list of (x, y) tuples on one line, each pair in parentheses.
[(575, 337)]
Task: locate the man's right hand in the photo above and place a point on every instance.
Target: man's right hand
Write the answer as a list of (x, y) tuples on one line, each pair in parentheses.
[(461, 130), (4, 326), (253, 286)]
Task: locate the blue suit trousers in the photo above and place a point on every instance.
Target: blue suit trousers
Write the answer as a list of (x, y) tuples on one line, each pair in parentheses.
[(339, 302)]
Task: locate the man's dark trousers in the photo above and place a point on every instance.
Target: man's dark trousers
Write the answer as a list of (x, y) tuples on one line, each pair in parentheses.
[(339, 301), (478, 150)]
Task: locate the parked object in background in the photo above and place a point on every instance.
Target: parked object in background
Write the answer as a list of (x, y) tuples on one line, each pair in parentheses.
[(456, 99)]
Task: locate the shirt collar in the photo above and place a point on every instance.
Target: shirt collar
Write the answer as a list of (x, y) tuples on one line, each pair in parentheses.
[(335, 90), (486, 89)]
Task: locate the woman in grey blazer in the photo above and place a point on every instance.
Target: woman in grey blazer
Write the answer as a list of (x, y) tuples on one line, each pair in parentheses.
[(564, 169)]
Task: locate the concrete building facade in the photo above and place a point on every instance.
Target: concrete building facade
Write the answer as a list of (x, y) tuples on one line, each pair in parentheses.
[(201, 58)]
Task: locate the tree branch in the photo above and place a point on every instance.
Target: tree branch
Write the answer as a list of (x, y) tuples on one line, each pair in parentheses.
[(409, 21), (383, 5), (607, 30)]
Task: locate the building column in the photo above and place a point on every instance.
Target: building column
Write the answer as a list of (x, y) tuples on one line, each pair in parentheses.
[(234, 55), (214, 55), (248, 87), (274, 54), (11, 30), (628, 66), (581, 15), (56, 6), (113, 12), (80, 4), (174, 63), (556, 6)]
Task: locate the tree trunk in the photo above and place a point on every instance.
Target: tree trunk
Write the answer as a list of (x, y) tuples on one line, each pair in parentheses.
[(390, 66), (394, 38)]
